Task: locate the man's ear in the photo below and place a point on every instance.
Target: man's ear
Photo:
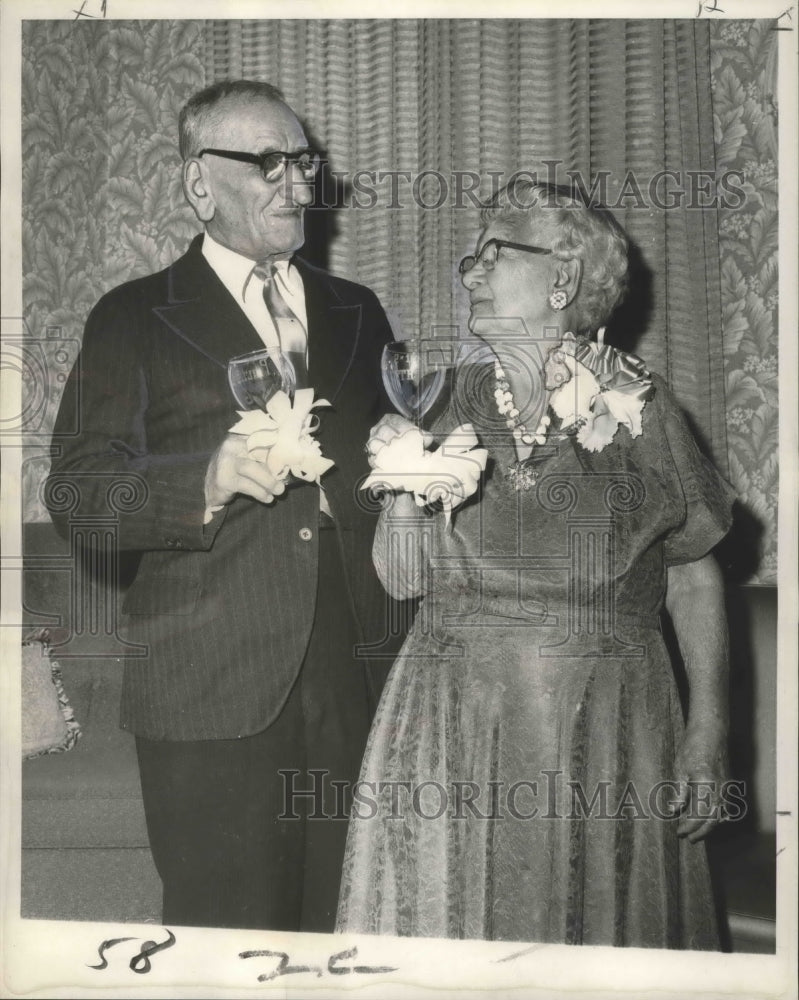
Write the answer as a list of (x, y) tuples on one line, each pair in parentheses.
[(568, 275), (197, 189)]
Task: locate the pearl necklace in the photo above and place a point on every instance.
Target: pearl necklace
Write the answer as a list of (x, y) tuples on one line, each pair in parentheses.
[(521, 474)]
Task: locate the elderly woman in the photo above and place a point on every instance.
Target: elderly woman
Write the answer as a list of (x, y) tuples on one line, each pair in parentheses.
[(529, 774)]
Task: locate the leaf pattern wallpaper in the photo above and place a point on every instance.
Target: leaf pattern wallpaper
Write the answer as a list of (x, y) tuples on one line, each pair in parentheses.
[(102, 204), (101, 195), (744, 86)]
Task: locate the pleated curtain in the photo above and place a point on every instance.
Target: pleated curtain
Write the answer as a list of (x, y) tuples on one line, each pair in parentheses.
[(491, 97)]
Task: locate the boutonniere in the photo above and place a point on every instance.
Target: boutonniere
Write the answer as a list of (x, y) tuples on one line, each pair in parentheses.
[(595, 390), (282, 436)]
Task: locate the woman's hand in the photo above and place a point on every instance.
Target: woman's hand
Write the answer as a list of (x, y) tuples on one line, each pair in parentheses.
[(702, 771), (390, 426), (695, 602)]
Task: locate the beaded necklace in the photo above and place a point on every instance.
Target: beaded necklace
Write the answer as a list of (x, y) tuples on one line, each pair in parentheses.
[(507, 408), (521, 473), (613, 389)]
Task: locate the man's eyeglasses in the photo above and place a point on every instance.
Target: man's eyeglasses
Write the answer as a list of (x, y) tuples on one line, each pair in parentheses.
[(273, 163), (490, 251)]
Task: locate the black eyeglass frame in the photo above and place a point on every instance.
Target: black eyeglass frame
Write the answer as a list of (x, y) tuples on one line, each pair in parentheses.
[(308, 170), (464, 268)]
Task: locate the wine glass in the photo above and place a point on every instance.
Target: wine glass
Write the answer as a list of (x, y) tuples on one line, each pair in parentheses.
[(255, 377), (412, 383)]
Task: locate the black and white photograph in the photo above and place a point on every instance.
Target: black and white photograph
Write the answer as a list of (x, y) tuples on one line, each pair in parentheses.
[(399, 510)]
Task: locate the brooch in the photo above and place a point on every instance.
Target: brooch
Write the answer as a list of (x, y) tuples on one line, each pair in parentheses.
[(522, 475)]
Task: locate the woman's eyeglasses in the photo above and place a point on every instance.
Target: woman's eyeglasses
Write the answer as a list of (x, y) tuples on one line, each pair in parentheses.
[(273, 163), (490, 251)]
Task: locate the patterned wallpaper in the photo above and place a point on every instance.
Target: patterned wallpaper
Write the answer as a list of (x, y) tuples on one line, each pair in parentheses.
[(744, 84), (101, 195), (102, 203)]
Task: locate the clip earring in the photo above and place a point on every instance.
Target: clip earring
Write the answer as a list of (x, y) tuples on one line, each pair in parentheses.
[(557, 300)]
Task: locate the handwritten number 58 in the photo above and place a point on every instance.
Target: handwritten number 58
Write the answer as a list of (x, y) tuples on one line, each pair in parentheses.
[(139, 963)]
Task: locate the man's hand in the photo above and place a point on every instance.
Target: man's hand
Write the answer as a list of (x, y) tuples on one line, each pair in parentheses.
[(386, 429), (232, 471)]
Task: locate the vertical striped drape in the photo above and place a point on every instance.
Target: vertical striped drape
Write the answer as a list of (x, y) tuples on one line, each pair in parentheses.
[(630, 97)]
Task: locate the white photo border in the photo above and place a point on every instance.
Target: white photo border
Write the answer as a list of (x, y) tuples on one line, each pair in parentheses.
[(53, 959)]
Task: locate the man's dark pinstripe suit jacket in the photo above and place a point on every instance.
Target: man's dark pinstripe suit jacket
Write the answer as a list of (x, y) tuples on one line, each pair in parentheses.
[(225, 609)]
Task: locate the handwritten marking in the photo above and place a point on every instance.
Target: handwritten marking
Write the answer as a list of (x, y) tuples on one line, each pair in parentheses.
[(361, 970), (80, 13), (151, 948), (785, 13), (104, 948), (284, 969), (140, 963), (518, 954)]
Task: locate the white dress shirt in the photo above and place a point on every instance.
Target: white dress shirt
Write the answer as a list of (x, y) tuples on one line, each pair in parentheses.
[(236, 274)]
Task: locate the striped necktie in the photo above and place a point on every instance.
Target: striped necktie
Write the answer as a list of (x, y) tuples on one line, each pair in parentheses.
[(290, 329)]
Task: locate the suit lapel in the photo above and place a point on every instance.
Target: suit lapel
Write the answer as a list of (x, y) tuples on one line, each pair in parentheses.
[(202, 311), (333, 332)]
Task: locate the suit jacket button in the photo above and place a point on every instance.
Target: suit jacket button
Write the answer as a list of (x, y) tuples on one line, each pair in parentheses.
[(306, 534)]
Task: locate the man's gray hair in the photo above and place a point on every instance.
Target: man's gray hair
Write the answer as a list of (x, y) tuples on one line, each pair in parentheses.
[(572, 229), (201, 113)]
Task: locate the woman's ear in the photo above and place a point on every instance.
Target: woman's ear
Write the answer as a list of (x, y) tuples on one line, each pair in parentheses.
[(568, 275), (197, 189)]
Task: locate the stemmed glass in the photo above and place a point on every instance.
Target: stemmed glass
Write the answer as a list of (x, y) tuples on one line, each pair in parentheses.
[(413, 385), (255, 377)]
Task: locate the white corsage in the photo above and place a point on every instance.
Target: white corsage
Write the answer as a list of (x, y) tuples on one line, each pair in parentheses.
[(595, 390), (282, 437), (448, 475)]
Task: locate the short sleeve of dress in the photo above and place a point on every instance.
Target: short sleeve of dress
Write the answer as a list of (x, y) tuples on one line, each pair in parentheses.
[(708, 498)]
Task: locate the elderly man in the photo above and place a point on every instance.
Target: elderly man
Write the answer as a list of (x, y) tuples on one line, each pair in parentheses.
[(250, 596)]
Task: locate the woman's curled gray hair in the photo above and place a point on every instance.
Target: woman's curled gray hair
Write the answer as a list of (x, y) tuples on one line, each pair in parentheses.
[(570, 228)]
